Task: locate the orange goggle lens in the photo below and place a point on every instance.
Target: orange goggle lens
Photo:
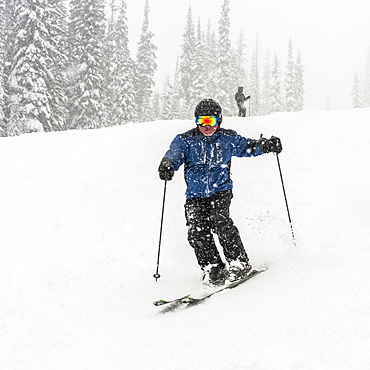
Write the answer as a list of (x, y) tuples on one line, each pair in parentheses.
[(207, 121)]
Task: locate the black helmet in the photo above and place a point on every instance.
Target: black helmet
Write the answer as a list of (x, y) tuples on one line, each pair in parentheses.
[(240, 88), (209, 107)]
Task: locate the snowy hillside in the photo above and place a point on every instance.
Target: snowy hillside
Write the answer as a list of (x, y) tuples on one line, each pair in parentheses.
[(80, 217)]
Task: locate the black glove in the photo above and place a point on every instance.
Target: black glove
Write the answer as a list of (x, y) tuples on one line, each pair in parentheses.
[(248, 97), (166, 170), (272, 145), (264, 145), (275, 145)]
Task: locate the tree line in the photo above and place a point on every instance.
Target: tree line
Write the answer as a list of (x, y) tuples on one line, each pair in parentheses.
[(209, 66), (73, 69)]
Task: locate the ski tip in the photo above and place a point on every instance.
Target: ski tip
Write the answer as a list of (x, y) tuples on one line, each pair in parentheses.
[(160, 302)]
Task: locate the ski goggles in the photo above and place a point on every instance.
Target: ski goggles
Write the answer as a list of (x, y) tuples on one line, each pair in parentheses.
[(207, 121)]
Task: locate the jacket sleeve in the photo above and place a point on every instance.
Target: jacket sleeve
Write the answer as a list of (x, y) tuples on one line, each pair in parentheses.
[(176, 153), (246, 147)]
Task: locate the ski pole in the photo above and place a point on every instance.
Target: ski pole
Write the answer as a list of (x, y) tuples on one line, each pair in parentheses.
[(286, 201), (156, 275)]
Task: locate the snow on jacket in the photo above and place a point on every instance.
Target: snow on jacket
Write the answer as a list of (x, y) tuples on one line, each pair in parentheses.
[(207, 159)]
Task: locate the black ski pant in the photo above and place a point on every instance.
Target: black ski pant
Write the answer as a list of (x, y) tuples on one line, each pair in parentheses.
[(205, 216)]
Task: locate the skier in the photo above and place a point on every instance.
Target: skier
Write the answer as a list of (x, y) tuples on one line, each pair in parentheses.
[(240, 99), (206, 152)]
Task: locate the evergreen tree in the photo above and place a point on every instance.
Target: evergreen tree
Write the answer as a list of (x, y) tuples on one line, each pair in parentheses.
[(240, 75), (166, 99), (121, 70), (240, 62), (366, 82), (254, 82), (87, 93), (356, 95), (225, 90), (110, 55), (178, 107), (9, 41), (200, 80), (187, 64), (155, 106), (2, 65), (276, 103), (299, 83), (266, 86), (58, 89), (146, 67), (211, 54), (290, 82), (33, 57)]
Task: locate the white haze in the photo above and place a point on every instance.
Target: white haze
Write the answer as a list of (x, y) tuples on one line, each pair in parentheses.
[(333, 37)]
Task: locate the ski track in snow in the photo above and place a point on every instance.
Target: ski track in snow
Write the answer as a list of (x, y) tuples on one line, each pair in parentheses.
[(80, 217)]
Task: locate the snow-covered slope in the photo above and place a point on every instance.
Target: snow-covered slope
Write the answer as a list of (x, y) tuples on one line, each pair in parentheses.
[(80, 217)]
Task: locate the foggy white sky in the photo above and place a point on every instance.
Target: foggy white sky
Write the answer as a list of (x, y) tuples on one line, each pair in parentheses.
[(333, 36)]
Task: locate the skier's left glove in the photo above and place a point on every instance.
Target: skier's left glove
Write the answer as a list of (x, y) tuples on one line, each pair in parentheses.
[(272, 145), (166, 170), (275, 145)]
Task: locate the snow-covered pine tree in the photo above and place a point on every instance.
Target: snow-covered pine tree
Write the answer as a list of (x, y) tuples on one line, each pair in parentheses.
[(121, 68), (254, 81), (31, 81), (225, 91), (240, 75), (146, 67), (366, 82), (166, 100), (87, 89), (356, 93), (200, 87), (211, 52), (266, 86), (2, 65), (110, 56), (155, 104), (240, 62), (178, 107), (9, 40), (187, 60), (290, 82), (299, 83), (276, 103), (58, 90)]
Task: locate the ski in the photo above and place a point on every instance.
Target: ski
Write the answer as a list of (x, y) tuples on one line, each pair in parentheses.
[(206, 292)]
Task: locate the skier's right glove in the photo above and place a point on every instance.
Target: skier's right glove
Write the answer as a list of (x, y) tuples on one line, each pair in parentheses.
[(166, 170)]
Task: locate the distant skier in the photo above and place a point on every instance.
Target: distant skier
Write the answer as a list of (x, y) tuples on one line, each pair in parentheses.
[(240, 99), (206, 153)]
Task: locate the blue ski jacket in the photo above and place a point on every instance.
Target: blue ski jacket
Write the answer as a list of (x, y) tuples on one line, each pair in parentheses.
[(207, 159)]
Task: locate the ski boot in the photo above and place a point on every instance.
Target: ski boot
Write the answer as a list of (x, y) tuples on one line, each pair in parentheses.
[(214, 275), (238, 270)]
